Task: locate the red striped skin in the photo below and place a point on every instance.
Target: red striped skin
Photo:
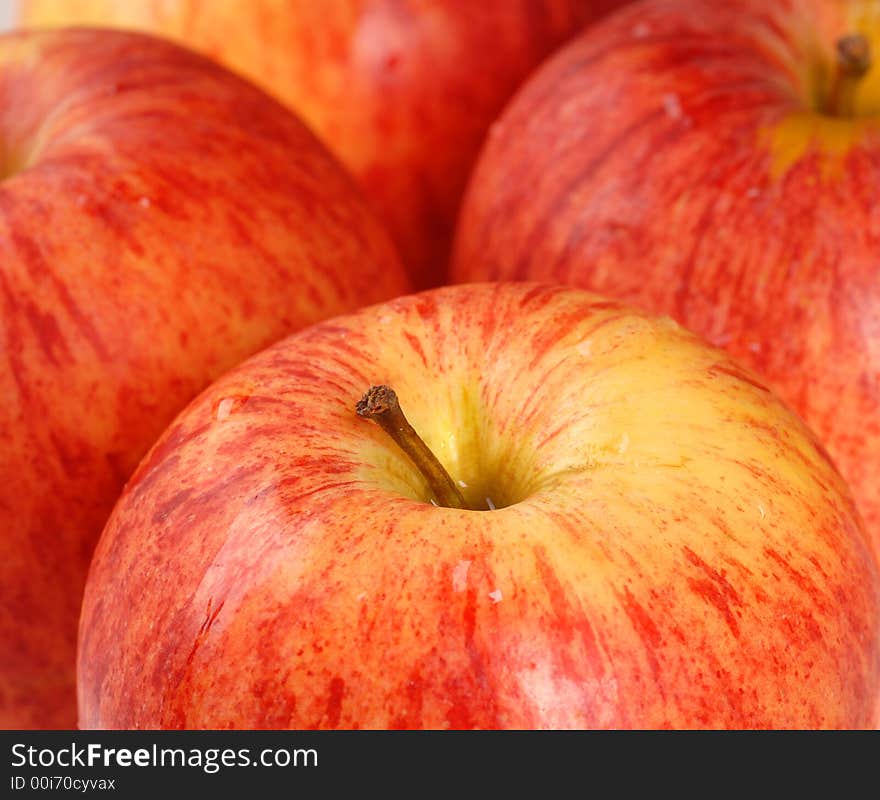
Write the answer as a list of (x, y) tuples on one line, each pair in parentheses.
[(647, 146), (402, 91), (677, 552), (162, 221)]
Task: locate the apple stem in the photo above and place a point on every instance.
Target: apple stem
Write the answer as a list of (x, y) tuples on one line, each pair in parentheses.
[(853, 63), (380, 404)]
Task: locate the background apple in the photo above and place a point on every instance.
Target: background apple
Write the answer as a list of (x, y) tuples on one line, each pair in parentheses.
[(687, 156), (160, 219), (402, 91), (671, 546)]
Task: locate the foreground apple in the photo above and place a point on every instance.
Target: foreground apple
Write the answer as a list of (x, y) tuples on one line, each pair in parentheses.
[(670, 545), (402, 91), (717, 162), (160, 220)]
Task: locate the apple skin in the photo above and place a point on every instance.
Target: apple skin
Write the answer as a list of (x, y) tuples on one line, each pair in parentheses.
[(713, 192), (402, 91), (674, 548), (160, 220)]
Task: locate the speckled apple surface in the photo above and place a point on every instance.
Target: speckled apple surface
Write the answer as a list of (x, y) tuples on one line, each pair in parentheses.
[(403, 91), (671, 545), (676, 157), (160, 220)]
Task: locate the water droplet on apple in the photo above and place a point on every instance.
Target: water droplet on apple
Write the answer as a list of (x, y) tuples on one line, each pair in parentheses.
[(459, 575), (672, 106), (496, 596), (227, 406)]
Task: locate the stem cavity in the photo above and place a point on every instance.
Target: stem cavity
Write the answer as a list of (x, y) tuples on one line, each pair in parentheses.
[(381, 405), (853, 63)]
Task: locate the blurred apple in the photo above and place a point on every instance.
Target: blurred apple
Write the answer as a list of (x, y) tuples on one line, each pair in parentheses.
[(717, 162), (402, 91), (670, 546), (160, 219)]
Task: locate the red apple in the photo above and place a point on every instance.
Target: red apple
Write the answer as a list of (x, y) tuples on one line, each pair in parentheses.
[(671, 547), (402, 91), (713, 162), (160, 219)]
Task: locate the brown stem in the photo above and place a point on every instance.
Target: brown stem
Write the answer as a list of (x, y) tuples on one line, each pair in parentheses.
[(380, 404), (853, 63)]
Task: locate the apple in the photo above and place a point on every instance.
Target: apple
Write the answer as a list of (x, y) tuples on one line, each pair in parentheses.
[(719, 163), (669, 546), (160, 220), (402, 91)]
